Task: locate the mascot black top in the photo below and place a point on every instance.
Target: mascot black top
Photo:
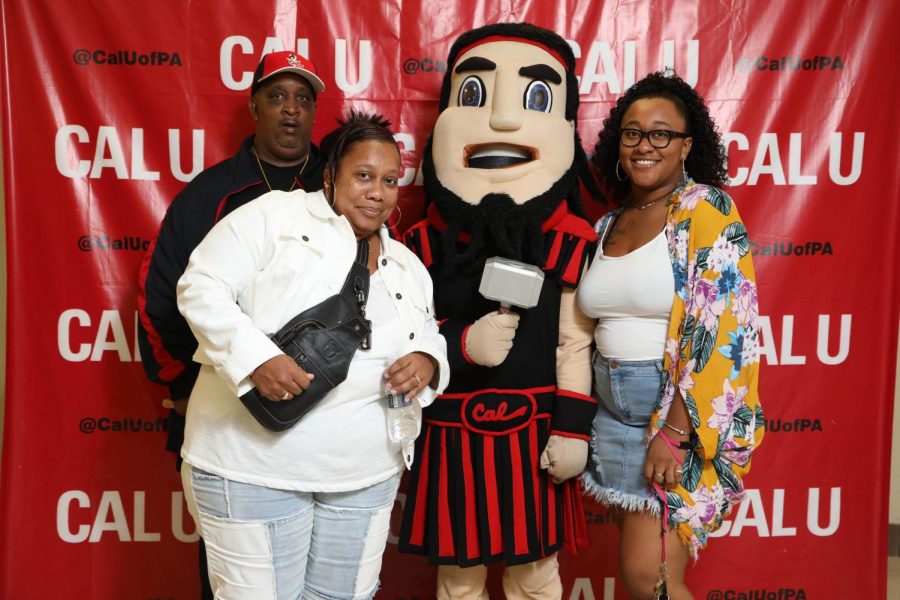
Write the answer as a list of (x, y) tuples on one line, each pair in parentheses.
[(498, 452)]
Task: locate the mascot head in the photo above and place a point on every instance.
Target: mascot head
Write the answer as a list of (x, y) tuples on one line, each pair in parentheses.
[(504, 152)]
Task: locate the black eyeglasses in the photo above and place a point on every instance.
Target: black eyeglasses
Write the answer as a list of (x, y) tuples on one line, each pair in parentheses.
[(658, 138)]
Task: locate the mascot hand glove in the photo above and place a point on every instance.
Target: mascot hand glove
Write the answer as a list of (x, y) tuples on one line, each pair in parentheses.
[(564, 457), (490, 338)]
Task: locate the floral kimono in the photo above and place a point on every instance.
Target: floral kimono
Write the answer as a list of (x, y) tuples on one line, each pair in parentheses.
[(711, 357)]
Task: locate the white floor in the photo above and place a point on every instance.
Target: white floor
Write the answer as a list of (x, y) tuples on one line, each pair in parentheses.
[(893, 582)]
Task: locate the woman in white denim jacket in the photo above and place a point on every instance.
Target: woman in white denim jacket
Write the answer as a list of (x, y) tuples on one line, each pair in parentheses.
[(304, 512)]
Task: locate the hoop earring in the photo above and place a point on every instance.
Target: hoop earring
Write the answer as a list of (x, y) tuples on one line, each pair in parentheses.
[(327, 185), (619, 177), (399, 217)]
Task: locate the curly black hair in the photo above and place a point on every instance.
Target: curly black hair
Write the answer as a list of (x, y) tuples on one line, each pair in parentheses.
[(706, 162)]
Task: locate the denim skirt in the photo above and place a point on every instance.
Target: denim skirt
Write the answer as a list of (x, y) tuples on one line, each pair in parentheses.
[(627, 394)]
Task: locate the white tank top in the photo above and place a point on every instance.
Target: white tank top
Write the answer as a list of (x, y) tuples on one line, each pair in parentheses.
[(631, 296)]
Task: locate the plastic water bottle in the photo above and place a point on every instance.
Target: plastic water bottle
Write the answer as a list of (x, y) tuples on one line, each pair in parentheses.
[(401, 423)]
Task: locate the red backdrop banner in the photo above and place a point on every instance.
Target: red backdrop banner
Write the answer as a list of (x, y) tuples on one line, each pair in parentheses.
[(110, 107)]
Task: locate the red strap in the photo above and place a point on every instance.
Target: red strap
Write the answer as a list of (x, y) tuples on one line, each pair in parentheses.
[(670, 444), (665, 519), (555, 248), (575, 533)]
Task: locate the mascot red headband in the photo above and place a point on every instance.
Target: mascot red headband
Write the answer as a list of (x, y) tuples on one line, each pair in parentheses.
[(518, 40)]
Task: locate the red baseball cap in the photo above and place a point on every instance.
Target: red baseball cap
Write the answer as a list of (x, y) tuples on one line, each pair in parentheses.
[(286, 61)]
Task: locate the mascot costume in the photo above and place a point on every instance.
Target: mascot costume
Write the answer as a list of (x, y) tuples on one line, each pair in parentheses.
[(498, 450)]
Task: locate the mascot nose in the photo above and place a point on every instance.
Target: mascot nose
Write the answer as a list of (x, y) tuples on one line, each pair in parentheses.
[(506, 108)]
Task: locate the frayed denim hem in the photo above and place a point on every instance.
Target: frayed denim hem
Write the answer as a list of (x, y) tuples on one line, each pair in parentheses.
[(616, 498)]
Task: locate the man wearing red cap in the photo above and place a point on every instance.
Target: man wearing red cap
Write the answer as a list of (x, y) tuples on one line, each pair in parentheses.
[(279, 156)]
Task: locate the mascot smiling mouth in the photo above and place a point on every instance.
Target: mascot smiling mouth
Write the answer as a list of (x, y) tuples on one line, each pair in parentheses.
[(497, 156)]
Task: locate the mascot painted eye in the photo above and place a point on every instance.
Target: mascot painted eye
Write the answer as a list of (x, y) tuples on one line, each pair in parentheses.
[(471, 92), (538, 96)]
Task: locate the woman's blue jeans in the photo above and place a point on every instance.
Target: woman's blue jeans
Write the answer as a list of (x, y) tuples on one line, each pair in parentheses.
[(269, 543)]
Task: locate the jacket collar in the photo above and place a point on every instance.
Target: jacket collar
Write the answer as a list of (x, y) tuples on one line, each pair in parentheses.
[(319, 207), (388, 246), (246, 171)]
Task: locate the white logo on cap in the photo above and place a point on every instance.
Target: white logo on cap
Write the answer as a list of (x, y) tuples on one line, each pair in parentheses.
[(292, 59)]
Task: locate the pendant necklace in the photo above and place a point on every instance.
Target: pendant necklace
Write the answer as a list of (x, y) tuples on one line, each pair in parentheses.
[(647, 205), (266, 179)]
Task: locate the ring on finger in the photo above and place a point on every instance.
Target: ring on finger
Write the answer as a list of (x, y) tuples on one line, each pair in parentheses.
[(287, 396), (660, 475), (678, 470), (418, 380)]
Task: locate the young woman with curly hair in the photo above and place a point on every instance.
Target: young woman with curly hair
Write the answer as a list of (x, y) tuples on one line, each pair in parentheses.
[(673, 292)]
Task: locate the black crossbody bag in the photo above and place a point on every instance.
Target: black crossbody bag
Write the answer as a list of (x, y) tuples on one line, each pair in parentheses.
[(322, 340)]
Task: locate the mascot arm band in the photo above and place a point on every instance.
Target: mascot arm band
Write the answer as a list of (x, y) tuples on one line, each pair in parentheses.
[(574, 407), (454, 331)]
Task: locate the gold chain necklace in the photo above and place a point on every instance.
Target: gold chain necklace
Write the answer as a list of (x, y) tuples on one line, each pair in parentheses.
[(266, 179), (652, 202)]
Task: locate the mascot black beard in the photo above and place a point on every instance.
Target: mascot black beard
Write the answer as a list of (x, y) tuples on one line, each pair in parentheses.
[(499, 450)]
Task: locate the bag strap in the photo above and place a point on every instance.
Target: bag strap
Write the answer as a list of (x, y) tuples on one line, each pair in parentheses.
[(603, 227), (661, 592), (356, 285)]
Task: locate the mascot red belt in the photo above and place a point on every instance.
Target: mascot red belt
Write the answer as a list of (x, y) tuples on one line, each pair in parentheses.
[(499, 450)]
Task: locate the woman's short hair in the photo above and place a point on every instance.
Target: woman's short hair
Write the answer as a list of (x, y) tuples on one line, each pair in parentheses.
[(357, 127), (706, 162)]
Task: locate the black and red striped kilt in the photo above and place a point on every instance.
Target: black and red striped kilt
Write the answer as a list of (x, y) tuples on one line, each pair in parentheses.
[(478, 496)]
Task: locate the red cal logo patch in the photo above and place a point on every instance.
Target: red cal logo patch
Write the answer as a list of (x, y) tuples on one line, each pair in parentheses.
[(498, 412)]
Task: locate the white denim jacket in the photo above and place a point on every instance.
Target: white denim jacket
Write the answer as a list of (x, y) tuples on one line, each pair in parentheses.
[(272, 259), (256, 269)]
